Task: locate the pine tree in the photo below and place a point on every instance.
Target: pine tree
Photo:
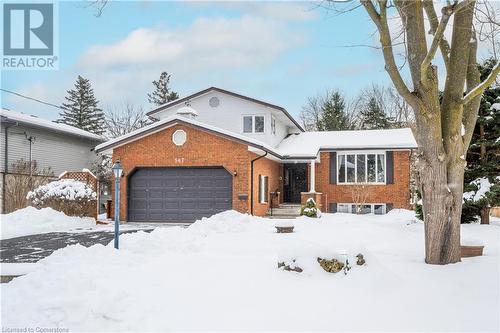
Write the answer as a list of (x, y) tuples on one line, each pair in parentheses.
[(81, 108), (333, 114), (162, 93), (483, 155), (373, 117)]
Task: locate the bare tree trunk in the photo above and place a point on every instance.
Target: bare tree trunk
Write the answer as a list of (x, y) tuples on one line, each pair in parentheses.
[(444, 127), (441, 207), (485, 215)]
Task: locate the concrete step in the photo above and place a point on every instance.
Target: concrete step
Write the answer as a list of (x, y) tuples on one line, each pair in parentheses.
[(285, 211), (283, 217), (290, 205)]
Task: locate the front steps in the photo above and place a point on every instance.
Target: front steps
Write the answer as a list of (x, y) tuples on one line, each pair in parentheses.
[(285, 211)]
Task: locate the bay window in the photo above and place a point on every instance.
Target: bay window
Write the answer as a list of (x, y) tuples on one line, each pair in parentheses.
[(361, 168)]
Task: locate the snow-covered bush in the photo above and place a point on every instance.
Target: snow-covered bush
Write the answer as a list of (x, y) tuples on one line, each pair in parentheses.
[(69, 196), (479, 195), (310, 209)]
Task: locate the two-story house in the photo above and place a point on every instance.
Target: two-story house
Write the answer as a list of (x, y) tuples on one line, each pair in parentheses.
[(217, 150)]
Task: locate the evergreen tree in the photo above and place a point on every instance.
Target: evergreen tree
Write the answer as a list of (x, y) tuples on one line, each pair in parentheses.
[(483, 156), (372, 116), (162, 93), (81, 108), (333, 115)]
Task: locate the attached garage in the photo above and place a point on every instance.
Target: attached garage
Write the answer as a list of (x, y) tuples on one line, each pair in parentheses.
[(178, 194)]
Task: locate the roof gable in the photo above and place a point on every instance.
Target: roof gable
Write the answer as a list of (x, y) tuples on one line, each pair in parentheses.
[(165, 123), (227, 92)]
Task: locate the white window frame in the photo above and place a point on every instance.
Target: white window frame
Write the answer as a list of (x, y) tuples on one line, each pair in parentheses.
[(366, 153), (372, 207), (262, 189), (253, 123), (273, 124)]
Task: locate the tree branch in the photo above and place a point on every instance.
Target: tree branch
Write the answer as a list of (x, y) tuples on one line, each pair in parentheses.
[(471, 109), (444, 46), (380, 20), (478, 90), (436, 41)]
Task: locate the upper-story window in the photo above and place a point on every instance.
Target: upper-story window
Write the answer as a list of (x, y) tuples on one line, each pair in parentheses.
[(361, 168), (273, 125), (253, 124)]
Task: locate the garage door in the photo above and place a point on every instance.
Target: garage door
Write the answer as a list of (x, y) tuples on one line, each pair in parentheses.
[(178, 194)]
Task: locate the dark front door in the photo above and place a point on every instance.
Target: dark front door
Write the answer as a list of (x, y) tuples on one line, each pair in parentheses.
[(178, 194), (295, 181)]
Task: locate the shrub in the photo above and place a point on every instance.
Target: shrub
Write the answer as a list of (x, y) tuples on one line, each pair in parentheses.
[(18, 182), (72, 197), (310, 209)]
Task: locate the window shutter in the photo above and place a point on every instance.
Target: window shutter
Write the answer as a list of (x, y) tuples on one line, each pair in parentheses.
[(389, 162), (333, 207), (266, 189), (260, 189), (333, 169)]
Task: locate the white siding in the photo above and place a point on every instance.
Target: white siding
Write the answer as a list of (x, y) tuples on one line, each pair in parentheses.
[(229, 115), (58, 151)]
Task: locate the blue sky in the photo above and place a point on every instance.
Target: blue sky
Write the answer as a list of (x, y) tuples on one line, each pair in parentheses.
[(279, 52)]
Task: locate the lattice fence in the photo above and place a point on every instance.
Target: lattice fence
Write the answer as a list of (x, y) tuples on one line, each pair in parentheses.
[(83, 176)]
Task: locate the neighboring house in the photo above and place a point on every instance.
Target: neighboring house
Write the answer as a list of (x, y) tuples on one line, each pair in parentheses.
[(217, 150), (55, 147)]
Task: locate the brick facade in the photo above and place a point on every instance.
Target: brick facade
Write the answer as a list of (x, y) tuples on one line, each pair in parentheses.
[(201, 149), (206, 149), (273, 170), (397, 194)]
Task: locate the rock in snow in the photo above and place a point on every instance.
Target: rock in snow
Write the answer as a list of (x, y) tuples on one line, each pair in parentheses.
[(220, 274)]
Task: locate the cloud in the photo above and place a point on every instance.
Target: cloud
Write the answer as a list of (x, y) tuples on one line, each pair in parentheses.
[(207, 43), (209, 51)]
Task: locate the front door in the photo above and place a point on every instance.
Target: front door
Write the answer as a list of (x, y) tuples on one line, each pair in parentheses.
[(295, 181)]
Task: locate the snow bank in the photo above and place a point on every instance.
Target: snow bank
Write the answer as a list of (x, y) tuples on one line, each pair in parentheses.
[(7, 268), (223, 272), (30, 221)]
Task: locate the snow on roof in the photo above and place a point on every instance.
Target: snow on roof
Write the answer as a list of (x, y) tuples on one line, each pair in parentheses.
[(39, 122), (309, 143), (176, 119), (303, 145)]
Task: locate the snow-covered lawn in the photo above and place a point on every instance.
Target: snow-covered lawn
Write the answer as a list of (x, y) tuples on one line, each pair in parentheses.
[(221, 274)]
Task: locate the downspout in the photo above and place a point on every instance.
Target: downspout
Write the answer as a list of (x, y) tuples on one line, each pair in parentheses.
[(251, 180)]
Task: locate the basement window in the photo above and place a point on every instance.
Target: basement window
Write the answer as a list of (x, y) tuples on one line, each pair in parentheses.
[(369, 208)]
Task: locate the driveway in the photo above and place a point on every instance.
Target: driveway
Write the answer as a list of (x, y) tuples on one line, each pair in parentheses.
[(32, 248)]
